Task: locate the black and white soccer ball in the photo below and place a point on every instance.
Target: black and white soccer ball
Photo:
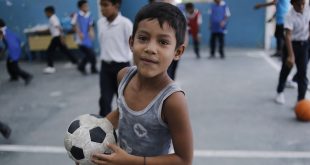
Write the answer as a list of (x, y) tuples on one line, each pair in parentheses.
[(86, 135)]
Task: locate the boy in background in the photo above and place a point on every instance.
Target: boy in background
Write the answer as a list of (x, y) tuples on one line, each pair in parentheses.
[(194, 20), (83, 26), (13, 46), (114, 31), (219, 14), (56, 42), (296, 26)]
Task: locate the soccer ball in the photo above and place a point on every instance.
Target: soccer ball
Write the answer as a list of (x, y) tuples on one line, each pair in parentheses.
[(86, 135)]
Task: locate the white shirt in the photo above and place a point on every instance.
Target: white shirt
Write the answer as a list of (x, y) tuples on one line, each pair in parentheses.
[(54, 26), (114, 39), (298, 23), (3, 29), (74, 18)]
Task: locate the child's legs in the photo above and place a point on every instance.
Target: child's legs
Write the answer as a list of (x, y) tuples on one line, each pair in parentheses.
[(20, 72), (10, 69), (196, 46), (89, 56), (212, 43), (285, 71), (108, 84), (51, 49), (221, 43), (301, 60), (63, 47)]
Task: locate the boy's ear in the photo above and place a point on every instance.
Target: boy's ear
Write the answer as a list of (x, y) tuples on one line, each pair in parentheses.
[(131, 42), (179, 52)]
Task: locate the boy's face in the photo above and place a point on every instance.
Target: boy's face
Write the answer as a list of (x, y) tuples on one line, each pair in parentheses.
[(154, 47), (107, 8), (299, 6), (217, 1), (84, 7), (48, 14), (190, 10)]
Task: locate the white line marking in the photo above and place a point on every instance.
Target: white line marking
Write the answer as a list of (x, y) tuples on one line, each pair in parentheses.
[(251, 154), (35, 149), (197, 153), (271, 62)]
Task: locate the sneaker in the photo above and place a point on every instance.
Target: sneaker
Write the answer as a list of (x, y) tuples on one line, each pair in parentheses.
[(290, 84), (49, 70), (68, 65), (280, 98), (5, 130)]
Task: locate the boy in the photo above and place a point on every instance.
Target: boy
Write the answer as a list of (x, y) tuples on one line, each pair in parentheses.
[(57, 40), (219, 14), (13, 45), (152, 109), (83, 26), (194, 20), (296, 27), (114, 31)]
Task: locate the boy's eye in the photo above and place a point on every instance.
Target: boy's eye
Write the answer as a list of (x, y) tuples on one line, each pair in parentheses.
[(164, 42), (142, 38)]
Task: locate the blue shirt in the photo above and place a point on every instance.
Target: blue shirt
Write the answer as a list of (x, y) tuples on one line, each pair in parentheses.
[(282, 7), (13, 45), (217, 15), (84, 22)]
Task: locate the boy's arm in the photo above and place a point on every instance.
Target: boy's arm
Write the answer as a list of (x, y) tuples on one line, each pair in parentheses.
[(290, 52), (176, 116), (261, 5)]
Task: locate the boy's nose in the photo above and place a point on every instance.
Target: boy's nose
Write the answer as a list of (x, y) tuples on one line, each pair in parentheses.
[(150, 48)]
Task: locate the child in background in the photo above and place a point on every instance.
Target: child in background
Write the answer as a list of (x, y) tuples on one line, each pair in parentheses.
[(13, 46), (296, 26), (114, 31), (219, 14), (152, 110), (83, 26), (56, 42), (194, 20)]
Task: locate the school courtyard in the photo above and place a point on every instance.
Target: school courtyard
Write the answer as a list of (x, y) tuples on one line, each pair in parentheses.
[(234, 118)]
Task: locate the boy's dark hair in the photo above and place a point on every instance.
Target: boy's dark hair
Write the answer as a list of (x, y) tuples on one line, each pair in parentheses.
[(189, 5), (81, 3), (2, 23), (294, 1), (114, 2), (163, 12), (50, 9)]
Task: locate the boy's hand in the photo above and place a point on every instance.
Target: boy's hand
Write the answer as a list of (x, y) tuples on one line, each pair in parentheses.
[(81, 35), (290, 61), (257, 6), (223, 23), (118, 157)]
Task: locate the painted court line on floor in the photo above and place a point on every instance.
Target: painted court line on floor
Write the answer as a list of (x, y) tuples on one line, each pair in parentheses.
[(197, 153)]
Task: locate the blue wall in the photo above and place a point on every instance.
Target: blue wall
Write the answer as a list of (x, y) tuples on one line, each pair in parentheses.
[(27, 13), (245, 29), (246, 26)]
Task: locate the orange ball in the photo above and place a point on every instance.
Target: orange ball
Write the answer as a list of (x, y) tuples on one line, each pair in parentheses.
[(302, 110)]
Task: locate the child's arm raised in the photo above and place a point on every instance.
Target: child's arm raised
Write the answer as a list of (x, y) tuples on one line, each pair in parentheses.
[(175, 114)]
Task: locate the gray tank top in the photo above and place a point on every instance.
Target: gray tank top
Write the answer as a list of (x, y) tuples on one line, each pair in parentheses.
[(144, 133)]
